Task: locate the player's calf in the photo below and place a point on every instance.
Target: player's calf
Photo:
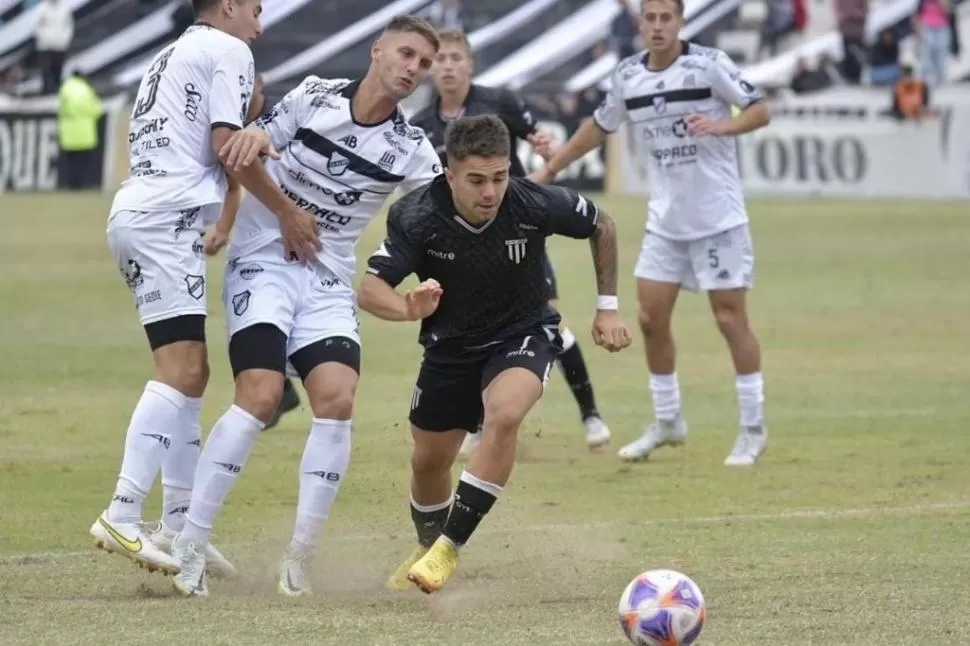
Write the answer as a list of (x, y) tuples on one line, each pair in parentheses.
[(730, 313), (330, 369)]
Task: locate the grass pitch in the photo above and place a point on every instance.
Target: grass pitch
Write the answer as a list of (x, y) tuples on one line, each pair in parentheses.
[(852, 529)]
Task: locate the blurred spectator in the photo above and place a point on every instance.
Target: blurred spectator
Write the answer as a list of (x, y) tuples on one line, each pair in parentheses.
[(78, 112), (10, 77), (851, 17), (911, 96), (932, 24), (808, 80), (55, 30), (884, 59), (183, 16), (784, 17), (447, 14), (625, 31)]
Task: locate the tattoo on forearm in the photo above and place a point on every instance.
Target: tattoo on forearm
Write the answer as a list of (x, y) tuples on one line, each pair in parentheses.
[(605, 261)]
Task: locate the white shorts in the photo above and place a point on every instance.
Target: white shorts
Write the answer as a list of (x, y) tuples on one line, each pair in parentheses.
[(722, 261), (162, 258), (308, 304)]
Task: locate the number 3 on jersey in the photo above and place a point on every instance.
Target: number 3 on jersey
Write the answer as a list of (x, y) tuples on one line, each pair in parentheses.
[(154, 77)]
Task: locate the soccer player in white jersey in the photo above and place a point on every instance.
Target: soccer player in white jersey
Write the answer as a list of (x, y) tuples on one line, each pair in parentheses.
[(677, 98), (190, 102), (346, 147)]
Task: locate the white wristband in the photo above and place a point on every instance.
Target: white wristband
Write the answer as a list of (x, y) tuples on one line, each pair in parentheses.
[(607, 303)]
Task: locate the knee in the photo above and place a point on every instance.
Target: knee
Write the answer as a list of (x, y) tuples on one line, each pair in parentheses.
[(503, 420), (427, 462), (335, 400), (652, 325), (730, 320), (259, 392), (187, 372)]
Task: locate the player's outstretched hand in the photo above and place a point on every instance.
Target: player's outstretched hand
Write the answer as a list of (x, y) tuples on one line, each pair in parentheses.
[(699, 124), (301, 239), (215, 239), (423, 300), (542, 176), (543, 145), (610, 332), (244, 147)]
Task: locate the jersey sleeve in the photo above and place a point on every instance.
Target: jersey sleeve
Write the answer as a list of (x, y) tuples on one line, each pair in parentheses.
[(232, 87), (569, 213), (398, 255), (516, 116), (611, 112), (729, 85), (424, 166), (286, 117)]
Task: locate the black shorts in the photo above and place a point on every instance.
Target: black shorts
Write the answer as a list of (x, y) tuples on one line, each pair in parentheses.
[(448, 393), (549, 273)]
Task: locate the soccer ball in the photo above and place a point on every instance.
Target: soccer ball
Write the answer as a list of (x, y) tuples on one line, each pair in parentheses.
[(662, 608)]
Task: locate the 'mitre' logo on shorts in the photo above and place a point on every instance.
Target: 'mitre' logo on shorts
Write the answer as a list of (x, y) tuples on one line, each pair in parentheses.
[(516, 249)]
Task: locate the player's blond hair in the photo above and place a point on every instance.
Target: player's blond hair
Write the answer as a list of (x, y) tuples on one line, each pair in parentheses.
[(456, 36)]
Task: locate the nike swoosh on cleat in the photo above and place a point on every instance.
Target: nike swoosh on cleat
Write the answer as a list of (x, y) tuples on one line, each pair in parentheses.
[(131, 546)]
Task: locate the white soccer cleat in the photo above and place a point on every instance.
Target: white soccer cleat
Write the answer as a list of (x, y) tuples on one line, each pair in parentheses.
[(190, 581), (472, 440), (216, 564), (751, 443), (295, 574), (660, 433), (597, 432), (134, 541)]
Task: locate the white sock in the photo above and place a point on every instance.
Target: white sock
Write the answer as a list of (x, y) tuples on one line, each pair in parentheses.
[(666, 396), (324, 465), (751, 398), (149, 437), (178, 469), (225, 453)]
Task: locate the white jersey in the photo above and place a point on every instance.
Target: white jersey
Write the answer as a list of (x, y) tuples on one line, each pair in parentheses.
[(338, 170), (695, 187), (202, 80)]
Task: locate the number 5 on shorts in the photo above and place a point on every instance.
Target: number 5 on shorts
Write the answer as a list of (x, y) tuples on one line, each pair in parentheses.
[(712, 258)]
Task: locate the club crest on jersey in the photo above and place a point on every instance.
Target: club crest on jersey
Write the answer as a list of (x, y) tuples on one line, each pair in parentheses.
[(660, 104), (516, 249), (337, 165)]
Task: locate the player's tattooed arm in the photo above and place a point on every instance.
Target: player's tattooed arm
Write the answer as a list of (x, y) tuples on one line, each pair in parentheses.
[(605, 258)]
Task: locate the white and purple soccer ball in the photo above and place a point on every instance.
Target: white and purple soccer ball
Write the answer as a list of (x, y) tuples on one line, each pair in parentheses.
[(662, 608)]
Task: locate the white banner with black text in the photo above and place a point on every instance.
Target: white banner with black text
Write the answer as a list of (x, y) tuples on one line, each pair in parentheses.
[(847, 147), (29, 152)]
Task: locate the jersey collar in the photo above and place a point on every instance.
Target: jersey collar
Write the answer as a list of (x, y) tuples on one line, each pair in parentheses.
[(685, 46), (468, 99)]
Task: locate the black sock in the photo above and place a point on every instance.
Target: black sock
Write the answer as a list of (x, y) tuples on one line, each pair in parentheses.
[(574, 369), (471, 505), (429, 524)]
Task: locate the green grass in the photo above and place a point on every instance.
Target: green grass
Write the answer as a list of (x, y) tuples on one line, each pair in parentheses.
[(852, 529)]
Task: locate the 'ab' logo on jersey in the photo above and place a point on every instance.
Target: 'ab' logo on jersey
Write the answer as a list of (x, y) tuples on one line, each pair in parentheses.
[(516, 249)]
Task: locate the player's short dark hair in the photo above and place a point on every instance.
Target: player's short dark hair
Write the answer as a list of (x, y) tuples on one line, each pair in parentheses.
[(414, 25), (200, 7), (678, 3), (455, 36), (482, 136)]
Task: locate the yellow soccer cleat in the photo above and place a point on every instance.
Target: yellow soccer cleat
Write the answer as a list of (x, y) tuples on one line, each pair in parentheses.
[(436, 567), (399, 580)]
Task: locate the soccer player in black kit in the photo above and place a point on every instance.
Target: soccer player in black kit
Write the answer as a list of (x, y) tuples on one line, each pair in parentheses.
[(457, 96), (475, 238)]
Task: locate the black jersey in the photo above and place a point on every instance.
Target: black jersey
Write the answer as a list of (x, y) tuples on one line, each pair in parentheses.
[(481, 100), (492, 277)]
